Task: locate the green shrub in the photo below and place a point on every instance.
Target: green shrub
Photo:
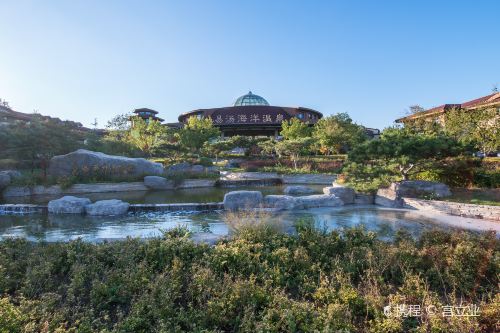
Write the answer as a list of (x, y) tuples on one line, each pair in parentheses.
[(205, 161), (261, 280)]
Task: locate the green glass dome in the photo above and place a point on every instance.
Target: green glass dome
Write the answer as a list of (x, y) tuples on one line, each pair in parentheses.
[(250, 99)]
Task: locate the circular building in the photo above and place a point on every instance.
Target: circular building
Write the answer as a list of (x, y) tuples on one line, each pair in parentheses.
[(251, 115)]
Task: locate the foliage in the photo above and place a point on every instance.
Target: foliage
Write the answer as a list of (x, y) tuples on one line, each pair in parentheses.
[(37, 141), (338, 133), (148, 136), (294, 148), (259, 281), (295, 129), (480, 127), (196, 132), (401, 150)]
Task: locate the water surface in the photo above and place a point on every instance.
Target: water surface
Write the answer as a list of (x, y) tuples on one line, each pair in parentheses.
[(38, 227)]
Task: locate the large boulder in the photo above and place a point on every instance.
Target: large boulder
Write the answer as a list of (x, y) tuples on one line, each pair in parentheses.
[(197, 168), (298, 189), (158, 183), (179, 168), (13, 174), (237, 200), (394, 194), (86, 161), (319, 200), (364, 199), (107, 208), (346, 194), (68, 205), (419, 188), (388, 197), (285, 202)]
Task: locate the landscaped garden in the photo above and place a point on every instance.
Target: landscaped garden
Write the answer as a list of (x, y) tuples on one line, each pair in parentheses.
[(276, 273)]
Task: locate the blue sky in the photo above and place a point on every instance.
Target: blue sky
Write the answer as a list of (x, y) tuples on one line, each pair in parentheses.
[(82, 60)]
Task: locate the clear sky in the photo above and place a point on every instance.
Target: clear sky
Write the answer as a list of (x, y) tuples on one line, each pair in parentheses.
[(81, 60)]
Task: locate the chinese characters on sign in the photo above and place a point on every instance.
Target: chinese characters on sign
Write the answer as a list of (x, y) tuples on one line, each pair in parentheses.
[(414, 310), (243, 118)]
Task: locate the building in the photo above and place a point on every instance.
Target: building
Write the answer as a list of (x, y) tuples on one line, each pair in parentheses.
[(251, 115), (437, 113), (145, 114)]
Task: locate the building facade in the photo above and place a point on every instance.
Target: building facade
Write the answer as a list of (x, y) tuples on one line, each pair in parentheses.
[(252, 115)]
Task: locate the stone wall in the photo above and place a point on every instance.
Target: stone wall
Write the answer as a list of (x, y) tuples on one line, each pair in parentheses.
[(454, 208)]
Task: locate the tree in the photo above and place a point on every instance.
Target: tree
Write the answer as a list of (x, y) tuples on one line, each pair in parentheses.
[(294, 148), (479, 127), (38, 140), (403, 152), (216, 147), (295, 129), (148, 135), (338, 133), (196, 132), (412, 109)]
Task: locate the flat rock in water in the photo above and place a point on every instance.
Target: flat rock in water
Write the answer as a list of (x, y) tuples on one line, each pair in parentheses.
[(346, 194), (298, 189), (68, 205), (319, 200), (285, 202), (239, 200), (107, 208)]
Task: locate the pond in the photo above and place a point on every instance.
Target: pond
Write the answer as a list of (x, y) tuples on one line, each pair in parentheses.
[(38, 227), (204, 194)]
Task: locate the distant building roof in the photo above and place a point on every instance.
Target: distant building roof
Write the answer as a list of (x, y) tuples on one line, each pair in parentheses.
[(491, 99), (145, 110)]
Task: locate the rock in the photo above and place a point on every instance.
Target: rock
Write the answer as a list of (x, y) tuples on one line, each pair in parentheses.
[(233, 163), (17, 191), (319, 200), (346, 194), (364, 199), (212, 170), (158, 183), (285, 202), (4, 180), (107, 207), (418, 188), (179, 167), (68, 205), (309, 179), (237, 200), (197, 183), (197, 168), (85, 161), (387, 197), (298, 189), (394, 194), (13, 174)]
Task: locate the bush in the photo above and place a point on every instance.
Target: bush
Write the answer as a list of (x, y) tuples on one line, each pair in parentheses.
[(261, 280), (205, 161)]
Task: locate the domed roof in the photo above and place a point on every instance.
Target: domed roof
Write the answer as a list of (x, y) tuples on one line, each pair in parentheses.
[(250, 99)]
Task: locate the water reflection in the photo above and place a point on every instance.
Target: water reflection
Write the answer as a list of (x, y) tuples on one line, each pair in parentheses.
[(385, 222)]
